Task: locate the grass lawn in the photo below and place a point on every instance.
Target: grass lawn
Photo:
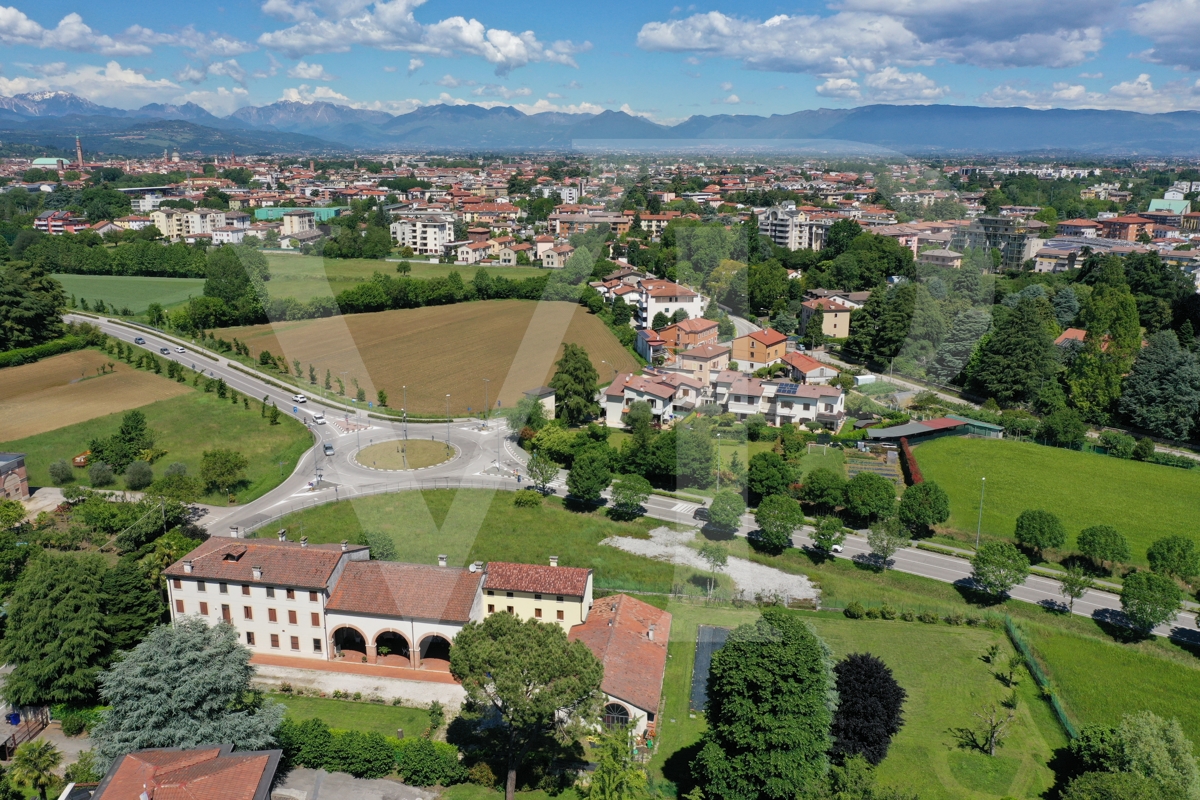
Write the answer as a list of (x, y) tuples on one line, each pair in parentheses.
[(946, 681), (479, 525), (352, 715), (135, 292), (306, 277), (1101, 681), (417, 453), (1143, 501), (185, 427)]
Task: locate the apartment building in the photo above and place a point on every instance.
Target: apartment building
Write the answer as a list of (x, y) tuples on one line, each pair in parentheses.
[(1017, 239), (759, 349), (298, 220), (788, 226), (690, 333), (426, 234), (178, 223), (835, 316)]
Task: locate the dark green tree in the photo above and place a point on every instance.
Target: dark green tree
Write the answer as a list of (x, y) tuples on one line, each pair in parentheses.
[(590, 474), (769, 712), (1064, 428), (1039, 530), (56, 639), (768, 474), (870, 708), (999, 566), (824, 489), (864, 325), (530, 678), (839, 237), (924, 505), (726, 509), (869, 495), (1175, 556), (1018, 359), (30, 301), (1162, 393), (777, 517), (1149, 599), (132, 604), (122, 448), (574, 384), (1103, 544)]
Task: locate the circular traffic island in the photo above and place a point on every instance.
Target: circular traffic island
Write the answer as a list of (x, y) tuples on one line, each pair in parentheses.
[(398, 454)]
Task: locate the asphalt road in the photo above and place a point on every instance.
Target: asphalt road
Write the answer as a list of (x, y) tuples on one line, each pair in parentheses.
[(488, 458)]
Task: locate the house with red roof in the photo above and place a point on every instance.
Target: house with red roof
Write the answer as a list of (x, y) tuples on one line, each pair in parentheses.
[(759, 349), (212, 772)]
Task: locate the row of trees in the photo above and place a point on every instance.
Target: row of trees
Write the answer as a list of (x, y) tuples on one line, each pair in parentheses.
[(88, 254)]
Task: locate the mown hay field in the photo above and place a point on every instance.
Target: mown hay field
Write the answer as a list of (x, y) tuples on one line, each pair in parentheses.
[(306, 277), (65, 390), (443, 350), (135, 293)]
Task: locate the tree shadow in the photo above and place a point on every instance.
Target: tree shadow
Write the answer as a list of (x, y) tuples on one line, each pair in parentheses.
[(869, 562), (677, 768), (1116, 624), (973, 595), (715, 533)]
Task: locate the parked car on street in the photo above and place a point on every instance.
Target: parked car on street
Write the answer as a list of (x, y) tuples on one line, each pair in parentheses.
[(701, 514)]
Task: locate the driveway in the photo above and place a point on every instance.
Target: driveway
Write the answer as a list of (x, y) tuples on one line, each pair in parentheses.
[(317, 784)]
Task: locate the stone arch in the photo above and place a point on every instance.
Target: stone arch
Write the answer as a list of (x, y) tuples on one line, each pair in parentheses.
[(434, 651), (349, 640), (398, 650)]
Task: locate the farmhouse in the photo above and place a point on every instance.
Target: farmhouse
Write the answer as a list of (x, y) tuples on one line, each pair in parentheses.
[(14, 482)]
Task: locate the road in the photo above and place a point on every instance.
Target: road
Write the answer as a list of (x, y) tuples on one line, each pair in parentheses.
[(743, 326), (488, 458)]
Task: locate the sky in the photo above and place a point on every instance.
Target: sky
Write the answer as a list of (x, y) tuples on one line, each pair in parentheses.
[(656, 59)]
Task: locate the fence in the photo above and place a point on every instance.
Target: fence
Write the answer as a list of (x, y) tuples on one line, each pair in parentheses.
[(1039, 676), (33, 721)]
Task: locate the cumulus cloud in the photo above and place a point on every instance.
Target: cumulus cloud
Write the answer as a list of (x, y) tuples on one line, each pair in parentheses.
[(890, 85), (111, 84), (308, 94), (309, 72), (451, 82), (731, 100), (726, 86), (414, 64), (1138, 94), (391, 25), (1173, 26), (71, 33), (498, 90), (842, 88), (221, 101), (224, 69)]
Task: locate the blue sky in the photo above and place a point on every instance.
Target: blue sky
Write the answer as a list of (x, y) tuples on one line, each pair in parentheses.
[(662, 60)]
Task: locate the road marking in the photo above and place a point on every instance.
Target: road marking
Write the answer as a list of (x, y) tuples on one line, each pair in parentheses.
[(684, 508)]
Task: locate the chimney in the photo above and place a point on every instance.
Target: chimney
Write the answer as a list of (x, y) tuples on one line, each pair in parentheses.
[(187, 566), (283, 534), (345, 542), (554, 561), (235, 532), (442, 560), (650, 633), (304, 541), (256, 572)]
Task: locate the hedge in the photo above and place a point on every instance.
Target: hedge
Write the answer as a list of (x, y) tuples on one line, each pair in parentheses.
[(54, 347), (912, 470)]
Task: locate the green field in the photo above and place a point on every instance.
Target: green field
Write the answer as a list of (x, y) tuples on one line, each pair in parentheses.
[(306, 277), (479, 525), (356, 716), (940, 668), (1143, 501), (185, 427), (135, 293), (1101, 681)]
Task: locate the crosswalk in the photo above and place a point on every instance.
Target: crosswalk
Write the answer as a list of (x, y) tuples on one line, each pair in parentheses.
[(684, 508)]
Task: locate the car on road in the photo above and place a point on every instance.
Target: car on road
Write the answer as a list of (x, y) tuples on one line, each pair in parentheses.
[(701, 514), (837, 548), (166, 351), (138, 340), (180, 350), (328, 449), (319, 418), (299, 398)]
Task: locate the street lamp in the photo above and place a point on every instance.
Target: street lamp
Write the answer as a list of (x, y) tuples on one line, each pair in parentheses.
[(979, 525), (405, 413), (487, 408), (447, 424)]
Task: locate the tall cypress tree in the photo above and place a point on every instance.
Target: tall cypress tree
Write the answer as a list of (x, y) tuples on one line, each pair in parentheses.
[(575, 386)]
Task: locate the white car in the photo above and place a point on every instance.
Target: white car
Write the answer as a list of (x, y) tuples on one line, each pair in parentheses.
[(299, 398), (180, 350), (319, 418), (837, 548)]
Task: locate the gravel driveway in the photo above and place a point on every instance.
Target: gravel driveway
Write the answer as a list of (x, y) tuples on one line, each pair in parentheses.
[(665, 544)]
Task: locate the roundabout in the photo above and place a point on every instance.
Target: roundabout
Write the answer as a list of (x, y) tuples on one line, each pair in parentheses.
[(400, 455)]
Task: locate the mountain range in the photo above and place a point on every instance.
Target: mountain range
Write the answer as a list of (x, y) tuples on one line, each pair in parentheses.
[(54, 118)]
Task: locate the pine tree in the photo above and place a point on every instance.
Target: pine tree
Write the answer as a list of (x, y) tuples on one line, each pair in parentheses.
[(132, 604), (1017, 360), (864, 324), (967, 330), (1162, 392), (574, 384), (1094, 380)]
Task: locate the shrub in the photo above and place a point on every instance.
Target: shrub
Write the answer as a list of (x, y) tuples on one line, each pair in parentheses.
[(955, 619), (363, 755), (481, 774), (61, 472), (1144, 449), (424, 762), (929, 618), (73, 723), (1117, 444), (855, 610), (872, 613), (527, 499), (887, 612), (908, 616), (100, 474), (138, 475)]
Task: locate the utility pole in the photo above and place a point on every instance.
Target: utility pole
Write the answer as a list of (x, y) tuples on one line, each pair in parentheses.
[(447, 424), (405, 413), (979, 525), (487, 408)]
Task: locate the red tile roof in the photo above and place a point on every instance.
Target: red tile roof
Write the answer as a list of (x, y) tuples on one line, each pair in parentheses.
[(706, 351), (418, 591), (768, 337), (283, 563), (805, 364), (695, 325), (617, 632), (942, 423), (206, 773), (508, 577), (1071, 335)]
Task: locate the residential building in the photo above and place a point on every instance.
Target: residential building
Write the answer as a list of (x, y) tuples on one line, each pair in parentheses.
[(208, 772), (298, 221), (146, 203), (690, 333), (851, 300), (1087, 228), (177, 223), (57, 223), (705, 361), (14, 480), (650, 345), (1017, 239), (543, 244), (230, 234), (788, 226), (556, 257), (1189, 224), (669, 395), (426, 234), (654, 296), (134, 223), (562, 595), (781, 401), (835, 316), (941, 258), (1126, 228), (545, 397), (805, 369), (629, 638), (472, 252), (567, 224), (509, 254), (759, 349)]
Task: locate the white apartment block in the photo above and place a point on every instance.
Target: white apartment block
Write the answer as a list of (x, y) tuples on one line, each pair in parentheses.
[(788, 226), (298, 221), (425, 234), (176, 223)]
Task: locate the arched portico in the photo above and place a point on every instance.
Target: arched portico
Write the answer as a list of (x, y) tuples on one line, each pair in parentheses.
[(350, 642), (392, 649), (434, 652)]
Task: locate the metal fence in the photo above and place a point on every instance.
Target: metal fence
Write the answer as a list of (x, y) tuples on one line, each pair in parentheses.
[(1039, 676)]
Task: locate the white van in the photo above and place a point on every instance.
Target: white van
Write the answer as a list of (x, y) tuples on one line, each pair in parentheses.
[(319, 418)]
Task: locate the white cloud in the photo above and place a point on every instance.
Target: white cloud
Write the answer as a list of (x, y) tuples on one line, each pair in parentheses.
[(573, 85), (414, 64), (223, 69), (844, 88), (391, 68), (726, 86), (306, 94), (890, 85), (390, 25), (451, 82), (309, 72), (1174, 28), (553, 96), (71, 33), (221, 102), (543, 105), (731, 100), (1139, 94), (204, 45), (1091, 75), (111, 84), (498, 90)]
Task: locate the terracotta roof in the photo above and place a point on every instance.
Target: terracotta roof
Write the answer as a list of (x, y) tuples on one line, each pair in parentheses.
[(942, 423), (804, 363), (695, 325), (1080, 223), (205, 773), (706, 351), (826, 304), (283, 563), (508, 577), (751, 387), (617, 632), (1071, 335), (419, 591), (768, 337)]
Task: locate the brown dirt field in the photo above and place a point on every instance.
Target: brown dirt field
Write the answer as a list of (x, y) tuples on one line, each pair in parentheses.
[(443, 350), (40, 397)]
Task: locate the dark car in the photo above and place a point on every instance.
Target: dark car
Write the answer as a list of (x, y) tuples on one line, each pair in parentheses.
[(138, 340), (701, 514)]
